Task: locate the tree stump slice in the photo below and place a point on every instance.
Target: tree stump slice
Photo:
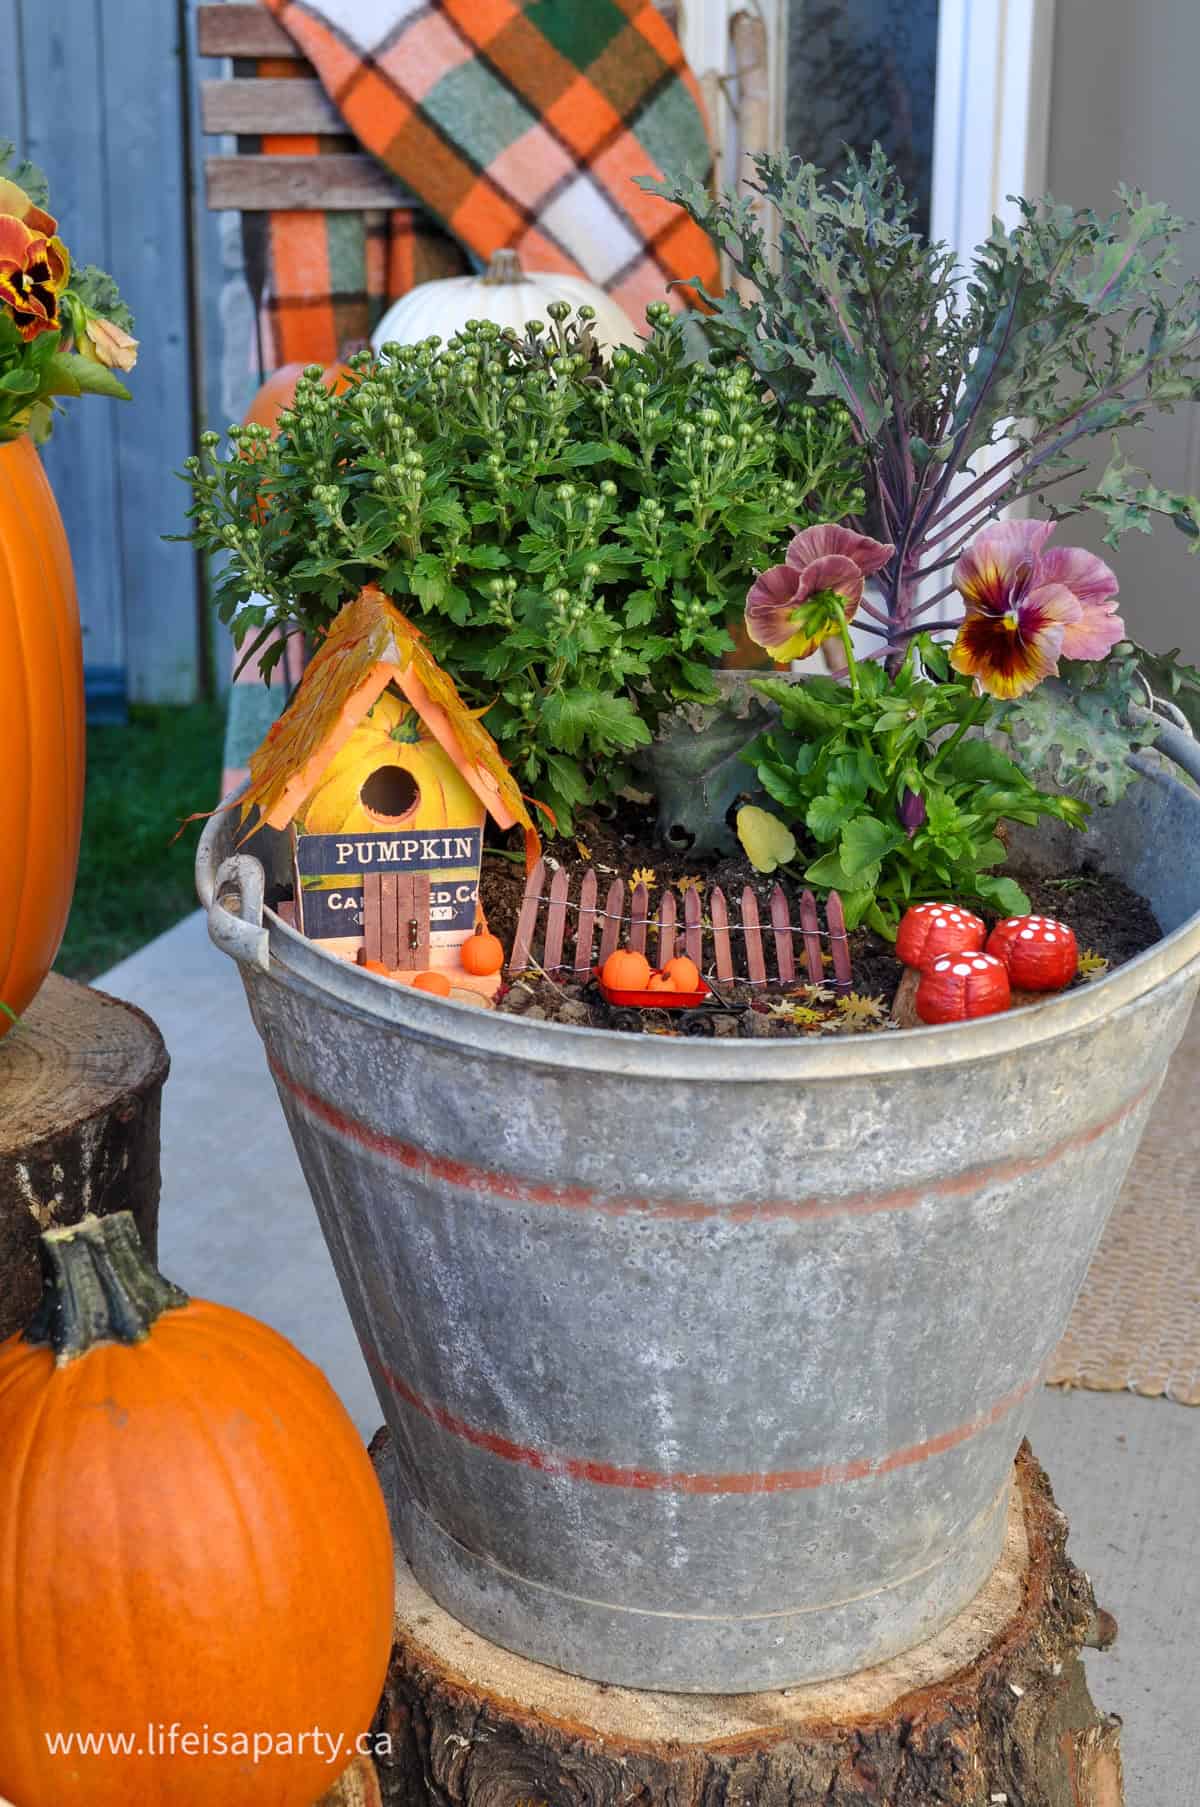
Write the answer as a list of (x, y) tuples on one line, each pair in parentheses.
[(81, 1079), (357, 1786), (993, 1712)]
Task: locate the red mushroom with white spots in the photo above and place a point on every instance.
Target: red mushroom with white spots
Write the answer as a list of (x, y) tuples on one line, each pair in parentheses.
[(957, 987), (930, 930), (1040, 952)]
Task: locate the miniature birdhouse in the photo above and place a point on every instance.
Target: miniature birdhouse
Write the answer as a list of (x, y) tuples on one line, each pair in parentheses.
[(385, 780)]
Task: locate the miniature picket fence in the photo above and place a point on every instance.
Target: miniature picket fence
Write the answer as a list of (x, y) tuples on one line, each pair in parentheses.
[(708, 931)]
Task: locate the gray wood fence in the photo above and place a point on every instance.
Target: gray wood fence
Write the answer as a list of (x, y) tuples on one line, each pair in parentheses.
[(100, 94)]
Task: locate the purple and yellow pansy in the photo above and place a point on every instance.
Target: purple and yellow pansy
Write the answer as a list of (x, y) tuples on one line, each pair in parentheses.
[(793, 607), (1027, 607)]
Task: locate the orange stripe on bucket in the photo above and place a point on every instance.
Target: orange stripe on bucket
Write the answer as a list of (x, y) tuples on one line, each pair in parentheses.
[(650, 1480), (513, 1189)]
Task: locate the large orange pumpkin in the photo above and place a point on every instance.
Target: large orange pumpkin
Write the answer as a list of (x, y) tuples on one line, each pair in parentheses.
[(191, 1535), (41, 728)]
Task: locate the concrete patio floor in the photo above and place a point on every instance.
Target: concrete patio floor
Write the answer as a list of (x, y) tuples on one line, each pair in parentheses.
[(237, 1226)]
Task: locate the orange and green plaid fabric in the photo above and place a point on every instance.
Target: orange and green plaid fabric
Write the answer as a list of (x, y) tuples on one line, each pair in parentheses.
[(517, 123)]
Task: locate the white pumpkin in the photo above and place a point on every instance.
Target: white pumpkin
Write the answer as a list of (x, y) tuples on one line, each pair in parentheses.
[(504, 293)]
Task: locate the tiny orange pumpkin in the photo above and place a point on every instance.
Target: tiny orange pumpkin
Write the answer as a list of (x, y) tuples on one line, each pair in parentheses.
[(482, 954), (661, 981), (626, 971), (684, 973), (437, 983)]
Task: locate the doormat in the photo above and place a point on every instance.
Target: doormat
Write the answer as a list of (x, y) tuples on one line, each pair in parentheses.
[(1136, 1324)]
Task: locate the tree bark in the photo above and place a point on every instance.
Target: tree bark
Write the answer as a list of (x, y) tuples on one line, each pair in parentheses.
[(357, 1786), (993, 1712), (81, 1079)]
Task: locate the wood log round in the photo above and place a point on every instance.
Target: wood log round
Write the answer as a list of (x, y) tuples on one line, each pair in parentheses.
[(994, 1710), (81, 1079)]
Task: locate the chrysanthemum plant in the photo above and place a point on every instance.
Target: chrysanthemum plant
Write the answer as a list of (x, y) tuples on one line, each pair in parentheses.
[(967, 395), (63, 331), (573, 534)]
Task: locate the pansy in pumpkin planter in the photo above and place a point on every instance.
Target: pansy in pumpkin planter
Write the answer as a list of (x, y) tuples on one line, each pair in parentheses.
[(385, 779), (62, 329), (34, 263)]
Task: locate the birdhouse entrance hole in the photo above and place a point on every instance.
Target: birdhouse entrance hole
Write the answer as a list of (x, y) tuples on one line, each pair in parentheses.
[(391, 794)]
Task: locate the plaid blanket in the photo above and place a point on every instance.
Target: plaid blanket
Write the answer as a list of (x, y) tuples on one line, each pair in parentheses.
[(515, 123)]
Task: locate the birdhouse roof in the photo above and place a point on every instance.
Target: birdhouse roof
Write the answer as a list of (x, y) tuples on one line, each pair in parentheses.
[(369, 646)]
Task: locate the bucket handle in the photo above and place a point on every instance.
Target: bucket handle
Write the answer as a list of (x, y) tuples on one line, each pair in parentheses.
[(235, 923), (1180, 745)]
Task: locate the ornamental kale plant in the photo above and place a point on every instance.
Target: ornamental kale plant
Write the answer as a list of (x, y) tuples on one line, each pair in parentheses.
[(966, 395), (573, 536), (895, 801)]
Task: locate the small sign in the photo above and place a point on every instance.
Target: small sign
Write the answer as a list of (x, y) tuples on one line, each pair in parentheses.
[(330, 871), (422, 850)]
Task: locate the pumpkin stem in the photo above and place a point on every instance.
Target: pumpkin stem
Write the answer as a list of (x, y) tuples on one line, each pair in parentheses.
[(99, 1286), (505, 267)]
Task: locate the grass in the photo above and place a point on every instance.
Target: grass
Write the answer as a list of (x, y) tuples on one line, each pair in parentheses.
[(134, 880)]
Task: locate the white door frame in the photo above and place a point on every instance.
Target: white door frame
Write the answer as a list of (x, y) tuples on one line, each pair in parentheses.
[(991, 113)]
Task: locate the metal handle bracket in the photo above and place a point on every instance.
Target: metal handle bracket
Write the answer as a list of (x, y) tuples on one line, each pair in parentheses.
[(235, 918)]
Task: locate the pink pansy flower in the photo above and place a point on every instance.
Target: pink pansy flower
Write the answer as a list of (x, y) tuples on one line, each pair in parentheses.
[(793, 607), (1027, 607)]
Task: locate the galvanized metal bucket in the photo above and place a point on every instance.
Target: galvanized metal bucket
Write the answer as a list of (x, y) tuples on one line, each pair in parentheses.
[(706, 1362)]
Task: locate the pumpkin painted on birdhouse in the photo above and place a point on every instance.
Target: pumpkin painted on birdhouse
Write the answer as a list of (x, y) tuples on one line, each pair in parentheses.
[(385, 779), (391, 773)]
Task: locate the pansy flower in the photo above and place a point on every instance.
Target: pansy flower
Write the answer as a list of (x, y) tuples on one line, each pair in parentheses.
[(793, 607), (1028, 607), (34, 265)]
